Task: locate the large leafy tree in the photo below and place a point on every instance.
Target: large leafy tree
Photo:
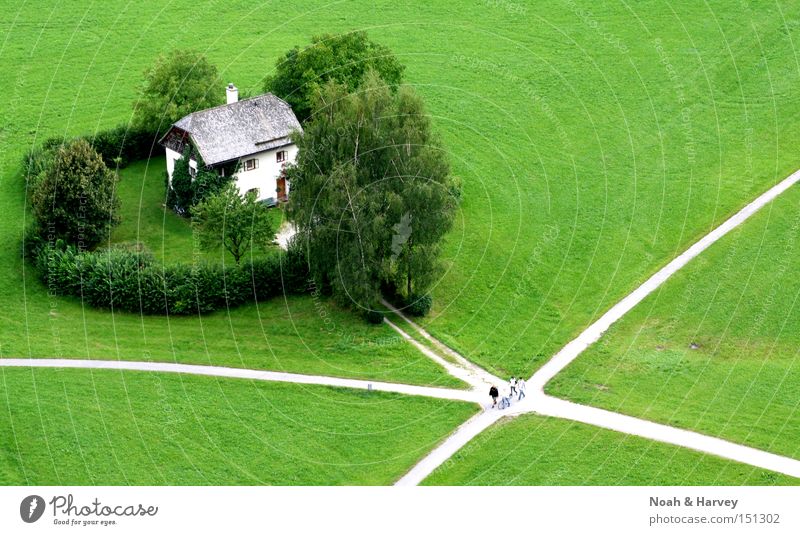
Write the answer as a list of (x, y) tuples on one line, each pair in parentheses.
[(237, 223), (344, 59), (371, 192), (74, 198), (179, 83)]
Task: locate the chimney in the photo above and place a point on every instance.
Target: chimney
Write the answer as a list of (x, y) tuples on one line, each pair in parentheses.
[(232, 93)]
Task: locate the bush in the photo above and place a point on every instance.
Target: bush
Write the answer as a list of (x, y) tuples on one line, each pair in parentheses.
[(374, 317), (130, 280), (118, 147), (294, 269), (122, 145), (419, 305), (74, 197)]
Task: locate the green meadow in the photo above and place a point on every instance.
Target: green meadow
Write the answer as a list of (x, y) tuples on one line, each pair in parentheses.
[(534, 450), (716, 349), (594, 140), (82, 427)]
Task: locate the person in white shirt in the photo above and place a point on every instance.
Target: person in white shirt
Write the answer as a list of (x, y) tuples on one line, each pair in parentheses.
[(512, 383), (521, 388)]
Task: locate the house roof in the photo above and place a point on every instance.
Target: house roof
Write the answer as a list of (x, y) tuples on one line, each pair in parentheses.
[(231, 131)]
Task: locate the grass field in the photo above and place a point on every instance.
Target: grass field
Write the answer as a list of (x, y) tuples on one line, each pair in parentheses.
[(144, 220), (594, 140), (533, 450), (738, 304), (298, 334), (78, 427)]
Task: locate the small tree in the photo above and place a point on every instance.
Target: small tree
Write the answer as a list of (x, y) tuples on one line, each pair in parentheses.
[(208, 181), (234, 222), (188, 190), (74, 199), (344, 59), (178, 84), (182, 189)]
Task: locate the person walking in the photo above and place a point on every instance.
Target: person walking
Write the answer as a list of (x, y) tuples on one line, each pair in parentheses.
[(512, 383), (521, 388), (493, 393), (505, 401)]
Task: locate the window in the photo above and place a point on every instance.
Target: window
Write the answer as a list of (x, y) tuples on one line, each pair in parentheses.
[(251, 164), (281, 156)]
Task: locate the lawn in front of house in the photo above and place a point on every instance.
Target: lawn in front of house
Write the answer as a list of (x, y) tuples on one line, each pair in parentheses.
[(144, 219), (89, 427), (535, 450), (715, 349)]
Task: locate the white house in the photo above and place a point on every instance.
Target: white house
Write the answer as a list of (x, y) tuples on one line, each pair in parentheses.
[(249, 138)]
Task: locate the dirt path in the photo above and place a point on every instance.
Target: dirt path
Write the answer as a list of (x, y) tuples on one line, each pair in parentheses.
[(242, 373)]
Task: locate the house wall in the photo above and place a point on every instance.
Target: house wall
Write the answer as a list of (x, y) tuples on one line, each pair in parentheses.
[(171, 157), (264, 178)]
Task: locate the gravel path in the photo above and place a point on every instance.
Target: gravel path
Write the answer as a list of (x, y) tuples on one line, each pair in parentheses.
[(242, 373)]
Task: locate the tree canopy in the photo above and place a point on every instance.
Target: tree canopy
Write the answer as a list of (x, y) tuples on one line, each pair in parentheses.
[(237, 223), (74, 197), (344, 59), (371, 192), (178, 84)]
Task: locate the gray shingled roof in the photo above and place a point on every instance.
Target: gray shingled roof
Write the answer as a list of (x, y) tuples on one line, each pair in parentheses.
[(239, 129)]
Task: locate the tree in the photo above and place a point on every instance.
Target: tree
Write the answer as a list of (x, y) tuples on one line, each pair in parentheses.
[(371, 192), (178, 84), (188, 190), (183, 192), (74, 198), (208, 181), (234, 222), (344, 59)]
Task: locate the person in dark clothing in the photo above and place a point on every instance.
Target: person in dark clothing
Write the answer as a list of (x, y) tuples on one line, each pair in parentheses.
[(493, 393)]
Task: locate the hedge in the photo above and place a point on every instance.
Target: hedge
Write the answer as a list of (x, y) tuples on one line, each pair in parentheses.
[(122, 279), (123, 145), (117, 146)]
